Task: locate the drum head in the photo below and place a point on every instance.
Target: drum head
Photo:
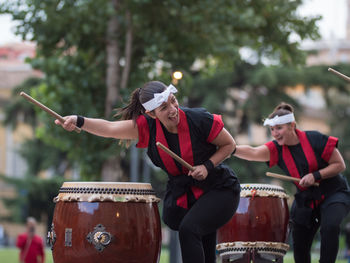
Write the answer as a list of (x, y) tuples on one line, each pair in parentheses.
[(265, 190), (106, 191)]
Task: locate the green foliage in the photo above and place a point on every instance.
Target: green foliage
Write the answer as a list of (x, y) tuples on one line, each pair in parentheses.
[(264, 87), (34, 197), (71, 51), (19, 109), (40, 157)]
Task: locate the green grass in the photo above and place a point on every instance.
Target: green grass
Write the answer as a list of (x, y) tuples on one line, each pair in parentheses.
[(10, 255), (314, 258)]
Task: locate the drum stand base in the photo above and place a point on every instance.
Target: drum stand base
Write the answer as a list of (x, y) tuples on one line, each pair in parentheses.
[(252, 256)]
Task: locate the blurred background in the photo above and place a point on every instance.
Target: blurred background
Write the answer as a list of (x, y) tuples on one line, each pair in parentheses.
[(236, 58)]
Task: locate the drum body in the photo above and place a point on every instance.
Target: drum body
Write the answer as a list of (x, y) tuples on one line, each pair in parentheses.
[(261, 219), (106, 222)]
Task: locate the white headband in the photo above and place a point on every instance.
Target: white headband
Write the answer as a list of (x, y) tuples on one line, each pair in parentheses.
[(278, 120), (159, 98)]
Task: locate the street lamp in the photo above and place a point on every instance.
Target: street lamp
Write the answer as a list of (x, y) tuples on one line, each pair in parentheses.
[(177, 75)]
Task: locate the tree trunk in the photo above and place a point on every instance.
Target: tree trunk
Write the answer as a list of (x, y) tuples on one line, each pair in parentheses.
[(111, 170), (128, 51), (112, 60)]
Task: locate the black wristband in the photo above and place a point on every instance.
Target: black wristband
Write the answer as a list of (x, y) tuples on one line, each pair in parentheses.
[(80, 121), (234, 151), (209, 165), (317, 175)]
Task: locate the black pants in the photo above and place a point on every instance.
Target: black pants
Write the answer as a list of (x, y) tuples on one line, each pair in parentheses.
[(328, 219), (197, 230)]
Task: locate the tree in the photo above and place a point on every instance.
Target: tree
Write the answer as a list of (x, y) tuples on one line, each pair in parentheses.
[(94, 52)]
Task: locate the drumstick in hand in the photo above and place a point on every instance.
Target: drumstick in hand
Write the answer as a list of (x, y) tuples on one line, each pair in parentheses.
[(48, 110), (175, 156), (286, 178), (339, 74)]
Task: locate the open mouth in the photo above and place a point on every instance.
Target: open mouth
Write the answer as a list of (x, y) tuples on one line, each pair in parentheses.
[(174, 117)]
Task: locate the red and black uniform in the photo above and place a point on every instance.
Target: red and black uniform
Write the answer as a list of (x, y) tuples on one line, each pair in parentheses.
[(324, 206), (194, 208)]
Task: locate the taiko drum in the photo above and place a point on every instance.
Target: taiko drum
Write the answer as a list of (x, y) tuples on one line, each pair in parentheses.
[(262, 217), (105, 222)]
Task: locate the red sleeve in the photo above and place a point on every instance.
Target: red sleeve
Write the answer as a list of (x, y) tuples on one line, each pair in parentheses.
[(21, 240), (143, 129), (273, 153), (216, 128), (329, 148)]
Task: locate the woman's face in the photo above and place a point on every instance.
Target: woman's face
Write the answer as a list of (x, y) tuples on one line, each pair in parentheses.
[(168, 113), (283, 134)]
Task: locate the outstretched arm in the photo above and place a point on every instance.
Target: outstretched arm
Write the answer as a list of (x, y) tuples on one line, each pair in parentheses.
[(126, 129), (260, 153)]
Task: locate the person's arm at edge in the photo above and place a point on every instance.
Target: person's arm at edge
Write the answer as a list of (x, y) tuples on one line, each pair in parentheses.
[(259, 154), (126, 129)]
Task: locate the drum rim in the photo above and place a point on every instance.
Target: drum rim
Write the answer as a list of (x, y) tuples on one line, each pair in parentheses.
[(111, 183), (273, 186)]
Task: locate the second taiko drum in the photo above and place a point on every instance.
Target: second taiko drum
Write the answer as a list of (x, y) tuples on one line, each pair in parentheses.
[(261, 220)]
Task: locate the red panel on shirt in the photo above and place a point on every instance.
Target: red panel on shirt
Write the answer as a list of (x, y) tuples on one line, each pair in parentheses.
[(273, 153), (328, 150), (216, 128), (143, 129)]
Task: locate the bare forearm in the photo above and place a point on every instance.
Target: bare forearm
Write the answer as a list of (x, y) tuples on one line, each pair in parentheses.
[(125, 129), (247, 152), (331, 170), (98, 127)]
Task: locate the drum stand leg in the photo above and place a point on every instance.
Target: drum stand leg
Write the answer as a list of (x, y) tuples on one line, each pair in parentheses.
[(245, 258), (257, 258), (251, 256)]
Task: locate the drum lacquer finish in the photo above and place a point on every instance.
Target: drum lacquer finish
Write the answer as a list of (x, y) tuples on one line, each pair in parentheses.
[(262, 215), (106, 222), (260, 223)]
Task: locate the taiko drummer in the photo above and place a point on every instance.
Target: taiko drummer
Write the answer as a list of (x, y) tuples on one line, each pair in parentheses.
[(313, 157), (197, 202)]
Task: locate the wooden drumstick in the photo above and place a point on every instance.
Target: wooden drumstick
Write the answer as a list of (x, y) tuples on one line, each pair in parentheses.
[(175, 156), (48, 110), (287, 178), (339, 74)]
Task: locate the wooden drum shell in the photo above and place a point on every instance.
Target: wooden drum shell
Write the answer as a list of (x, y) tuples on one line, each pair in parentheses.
[(134, 228), (258, 218)]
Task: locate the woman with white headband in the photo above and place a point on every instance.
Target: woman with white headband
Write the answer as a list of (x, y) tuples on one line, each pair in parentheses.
[(313, 157), (196, 202)]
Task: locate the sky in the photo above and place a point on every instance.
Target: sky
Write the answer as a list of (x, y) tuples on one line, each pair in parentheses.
[(333, 13), (332, 25)]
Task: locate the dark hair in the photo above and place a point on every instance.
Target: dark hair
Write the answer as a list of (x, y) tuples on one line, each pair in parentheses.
[(139, 96), (282, 109)]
